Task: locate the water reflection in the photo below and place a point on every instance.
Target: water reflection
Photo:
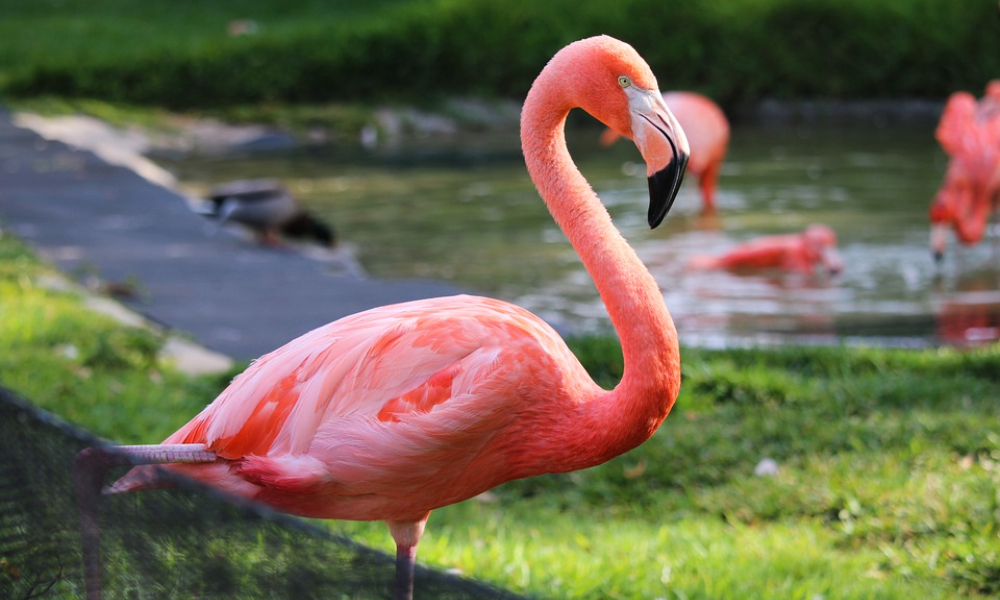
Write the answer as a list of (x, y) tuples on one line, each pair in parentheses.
[(464, 210)]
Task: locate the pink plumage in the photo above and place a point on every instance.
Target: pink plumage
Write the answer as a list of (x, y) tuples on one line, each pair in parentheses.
[(816, 246), (393, 412), (389, 413), (969, 132)]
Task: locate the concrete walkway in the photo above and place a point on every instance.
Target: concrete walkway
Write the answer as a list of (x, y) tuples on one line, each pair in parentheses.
[(95, 219)]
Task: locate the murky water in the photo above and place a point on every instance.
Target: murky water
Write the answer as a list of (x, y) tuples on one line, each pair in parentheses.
[(464, 211)]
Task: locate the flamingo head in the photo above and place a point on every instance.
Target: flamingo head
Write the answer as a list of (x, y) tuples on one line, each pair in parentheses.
[(993, 89), (821, 245), (608, 79)]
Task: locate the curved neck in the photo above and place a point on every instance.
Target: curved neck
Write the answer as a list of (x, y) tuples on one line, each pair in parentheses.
[(634, 302)]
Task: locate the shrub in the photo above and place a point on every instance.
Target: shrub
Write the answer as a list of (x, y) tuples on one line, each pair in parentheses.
[(734, 50)]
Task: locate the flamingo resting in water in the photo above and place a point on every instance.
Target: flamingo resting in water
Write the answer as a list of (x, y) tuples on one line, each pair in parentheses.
[(707, 131), (393, 412), (802, 252)]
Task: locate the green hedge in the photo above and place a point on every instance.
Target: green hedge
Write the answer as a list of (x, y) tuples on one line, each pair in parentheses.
[(737, 51)]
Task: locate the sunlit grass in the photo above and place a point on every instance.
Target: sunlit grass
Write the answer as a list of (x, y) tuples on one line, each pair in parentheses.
[(532, 548)]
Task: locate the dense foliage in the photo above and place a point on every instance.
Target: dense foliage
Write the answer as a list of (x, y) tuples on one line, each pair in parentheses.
[(178, 54)]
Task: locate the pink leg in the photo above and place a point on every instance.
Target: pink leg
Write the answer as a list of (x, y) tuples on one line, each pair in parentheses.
[(407, 535), (707, 182), (406, 558)]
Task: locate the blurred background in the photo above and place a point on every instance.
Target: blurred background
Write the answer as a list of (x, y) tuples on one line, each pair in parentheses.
[(396, 121)]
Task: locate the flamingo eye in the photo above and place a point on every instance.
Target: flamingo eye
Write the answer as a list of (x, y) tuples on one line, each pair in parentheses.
[(624, 81)]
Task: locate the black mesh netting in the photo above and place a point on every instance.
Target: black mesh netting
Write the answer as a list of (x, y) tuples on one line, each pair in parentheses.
[(180, 543)]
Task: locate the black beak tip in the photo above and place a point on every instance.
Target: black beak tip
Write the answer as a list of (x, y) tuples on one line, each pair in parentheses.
[(663, 187), (938, 256)]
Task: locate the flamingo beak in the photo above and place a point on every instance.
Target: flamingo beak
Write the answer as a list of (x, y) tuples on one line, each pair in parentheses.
[(663, 145)]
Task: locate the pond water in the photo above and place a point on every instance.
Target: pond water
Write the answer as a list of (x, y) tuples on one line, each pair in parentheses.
[(463, 210)]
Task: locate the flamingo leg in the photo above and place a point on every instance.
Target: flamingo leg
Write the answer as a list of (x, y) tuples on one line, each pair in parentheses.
[(708, 182), (406, 557), (407, 535)]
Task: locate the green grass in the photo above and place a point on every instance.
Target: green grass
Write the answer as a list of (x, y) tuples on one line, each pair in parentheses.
[(84, 366), (888, 484), (178, 54)]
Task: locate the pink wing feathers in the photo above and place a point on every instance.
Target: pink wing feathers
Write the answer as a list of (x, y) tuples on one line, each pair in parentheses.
[(360, 391), (364, 365)]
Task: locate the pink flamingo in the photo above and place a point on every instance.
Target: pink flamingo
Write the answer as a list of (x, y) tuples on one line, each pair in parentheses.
[(966, 198), (969, 132), (802, 252), (707, 131), (393, 412)]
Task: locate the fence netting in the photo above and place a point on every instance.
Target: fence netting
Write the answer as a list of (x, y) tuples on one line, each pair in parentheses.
[(180, 543)]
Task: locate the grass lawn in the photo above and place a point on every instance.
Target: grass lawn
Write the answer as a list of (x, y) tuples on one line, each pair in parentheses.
[(887, 479)]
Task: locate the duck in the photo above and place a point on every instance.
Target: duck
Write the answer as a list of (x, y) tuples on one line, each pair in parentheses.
[(267, 208)]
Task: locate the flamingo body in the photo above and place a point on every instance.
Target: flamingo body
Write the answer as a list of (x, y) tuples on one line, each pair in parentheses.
[(967, 195), (393, 412), (707, 131), (969, 132), (802, 252)]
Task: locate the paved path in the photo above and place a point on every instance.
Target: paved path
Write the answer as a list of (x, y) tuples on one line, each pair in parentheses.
[(233, 296)]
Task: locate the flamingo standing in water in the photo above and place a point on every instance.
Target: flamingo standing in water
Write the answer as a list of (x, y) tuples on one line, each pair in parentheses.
[(802, 252), (707, 131), (969, 193), (969, 132), (393, 412)]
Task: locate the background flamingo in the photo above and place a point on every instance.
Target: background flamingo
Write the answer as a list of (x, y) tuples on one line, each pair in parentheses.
[(988, 106), (966, 198), (802, 252), (707, 131), (393, 412), (969, 132)]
